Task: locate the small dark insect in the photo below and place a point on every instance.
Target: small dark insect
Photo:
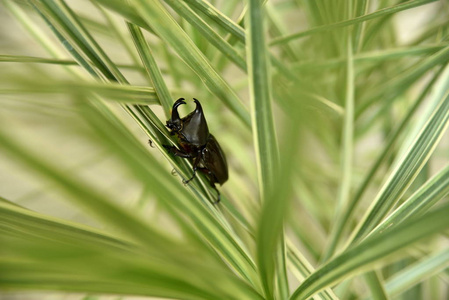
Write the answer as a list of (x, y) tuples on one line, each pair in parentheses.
[(198, 145)]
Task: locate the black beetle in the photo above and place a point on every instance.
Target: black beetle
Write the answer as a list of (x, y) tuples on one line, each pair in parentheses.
[(198, 145)]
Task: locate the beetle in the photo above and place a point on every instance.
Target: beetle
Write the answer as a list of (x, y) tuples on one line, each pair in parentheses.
[(198, 145)]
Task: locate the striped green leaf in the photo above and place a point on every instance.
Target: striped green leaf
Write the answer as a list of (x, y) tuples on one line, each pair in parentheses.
[(151, 67), (416, 273), (223, 46), (269, 242), (372, 250), (163, 24), (380, 13), (406, 169)]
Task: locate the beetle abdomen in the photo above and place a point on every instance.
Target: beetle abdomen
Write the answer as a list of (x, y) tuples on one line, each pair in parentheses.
[(214, 160)]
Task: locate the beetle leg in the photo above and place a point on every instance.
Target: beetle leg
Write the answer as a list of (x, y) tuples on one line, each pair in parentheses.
[(212, 181), (218, 195), (195, 167), (176, 152)]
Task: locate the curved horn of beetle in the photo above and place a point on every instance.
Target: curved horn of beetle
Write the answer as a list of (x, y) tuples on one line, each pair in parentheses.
[(175, 122)]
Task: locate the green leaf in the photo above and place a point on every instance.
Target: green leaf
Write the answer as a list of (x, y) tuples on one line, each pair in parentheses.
[(223, 46), (376, 285), (425, 197), (380, 13), (222, 20), (31, 59), (406, 169), (67, 24), (79, 192), (243, 247), (372, 250), (18, 220), (406, 79), (166, 28), (208, 222), (55, 61), (373, 57), (151, 67), (344, 219), (347, 147), (304, 268), (418, 272), (35, 259), (114, 92), (270, 231)]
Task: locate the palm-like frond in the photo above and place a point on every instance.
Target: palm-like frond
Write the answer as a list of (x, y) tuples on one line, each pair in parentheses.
[(333, 123)]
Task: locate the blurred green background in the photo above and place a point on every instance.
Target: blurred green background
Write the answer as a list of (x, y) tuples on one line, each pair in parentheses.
[(332, 115)]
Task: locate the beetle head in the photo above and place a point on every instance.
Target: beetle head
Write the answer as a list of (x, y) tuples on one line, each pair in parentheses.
[(175, 123), (194, 126)]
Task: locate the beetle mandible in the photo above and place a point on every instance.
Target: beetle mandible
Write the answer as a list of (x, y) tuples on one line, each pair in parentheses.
[(198, 145)]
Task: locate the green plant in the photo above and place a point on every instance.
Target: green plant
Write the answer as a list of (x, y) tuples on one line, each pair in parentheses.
[(337, 174)]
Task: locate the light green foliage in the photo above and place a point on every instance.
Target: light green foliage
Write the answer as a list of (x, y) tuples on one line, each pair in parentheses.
[(333, 116)]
